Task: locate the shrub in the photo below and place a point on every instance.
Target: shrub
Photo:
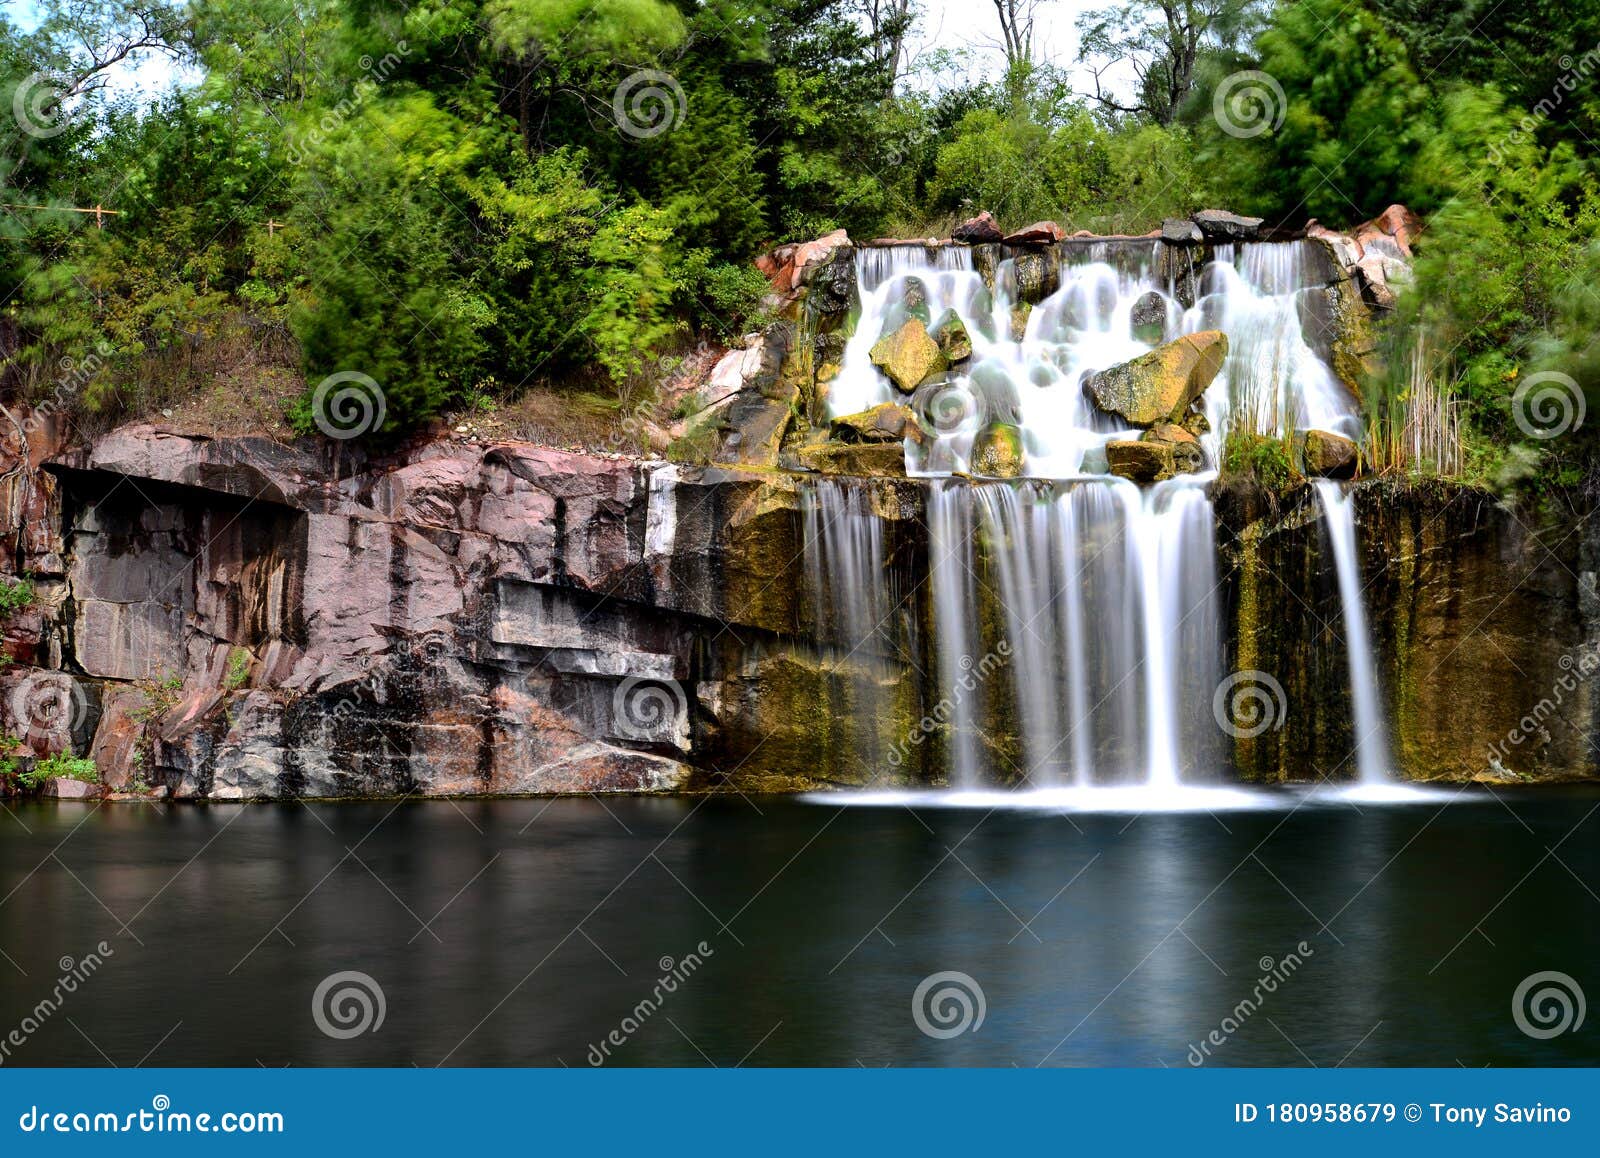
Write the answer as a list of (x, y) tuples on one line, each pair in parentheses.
[(16, 596), (60, 766), (65, 766)]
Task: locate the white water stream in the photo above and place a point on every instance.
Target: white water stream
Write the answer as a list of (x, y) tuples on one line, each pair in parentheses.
[(1372, 747)]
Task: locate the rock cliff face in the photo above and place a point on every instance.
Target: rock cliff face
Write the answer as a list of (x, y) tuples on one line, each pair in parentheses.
[(1485, 624), (241, 619), (231, 619)]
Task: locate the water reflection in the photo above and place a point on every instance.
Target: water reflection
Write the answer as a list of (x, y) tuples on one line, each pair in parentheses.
[(526, 932)]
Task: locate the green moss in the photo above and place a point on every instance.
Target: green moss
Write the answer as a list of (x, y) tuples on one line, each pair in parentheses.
[(1269, 460), (696, 446)]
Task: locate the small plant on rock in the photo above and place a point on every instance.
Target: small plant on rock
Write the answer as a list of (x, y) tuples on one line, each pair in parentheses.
[(14, 597), (238, 669), (65, 766), (59, 766)]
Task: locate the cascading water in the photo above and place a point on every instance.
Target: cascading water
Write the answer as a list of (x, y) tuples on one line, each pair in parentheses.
[(851, 600), (1104, 593), (1372, 759)]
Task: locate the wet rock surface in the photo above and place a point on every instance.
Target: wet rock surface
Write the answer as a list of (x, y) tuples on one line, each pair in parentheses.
[(1159, 386), (1484, 628)]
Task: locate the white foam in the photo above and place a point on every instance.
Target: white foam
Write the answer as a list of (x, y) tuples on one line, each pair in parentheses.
[(1142, 798), (1381, 793), (1132, 798)]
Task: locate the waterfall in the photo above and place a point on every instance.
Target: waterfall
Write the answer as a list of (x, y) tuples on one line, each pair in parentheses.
[(1174, 543), (851, 600), (1103, 594), (1372, 750), (954, 603)]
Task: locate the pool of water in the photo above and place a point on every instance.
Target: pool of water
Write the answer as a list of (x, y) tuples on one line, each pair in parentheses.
[(1281, 930)]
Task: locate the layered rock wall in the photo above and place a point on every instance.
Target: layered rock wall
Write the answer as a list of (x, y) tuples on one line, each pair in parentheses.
[(238, 618)]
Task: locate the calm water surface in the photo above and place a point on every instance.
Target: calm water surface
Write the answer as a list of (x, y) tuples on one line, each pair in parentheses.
[(525, 932)]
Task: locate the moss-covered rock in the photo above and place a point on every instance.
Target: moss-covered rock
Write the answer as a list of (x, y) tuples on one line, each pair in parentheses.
[(1160, 385), (1327, 455), (1187, 457), (868, 460), (1150, 318), (1478, 617), (886, 422), (1032, 278), (1353, 348), (1141, 461), (1019, 321), (951, 334), (912, 303), (908, 355), (997, 451)]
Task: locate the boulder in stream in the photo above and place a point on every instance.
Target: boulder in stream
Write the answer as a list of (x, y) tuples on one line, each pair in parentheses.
[(885, 422), (997, 451), (951, 334), (1160, 385), (1328, 455), (1141, 461), (908, 355), (1150, 317)]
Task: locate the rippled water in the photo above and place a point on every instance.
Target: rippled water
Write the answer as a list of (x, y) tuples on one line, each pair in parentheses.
[(527, 931)]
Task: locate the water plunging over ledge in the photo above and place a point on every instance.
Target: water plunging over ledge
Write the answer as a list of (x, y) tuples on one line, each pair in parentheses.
[(1372, 758), (1103, 593)]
